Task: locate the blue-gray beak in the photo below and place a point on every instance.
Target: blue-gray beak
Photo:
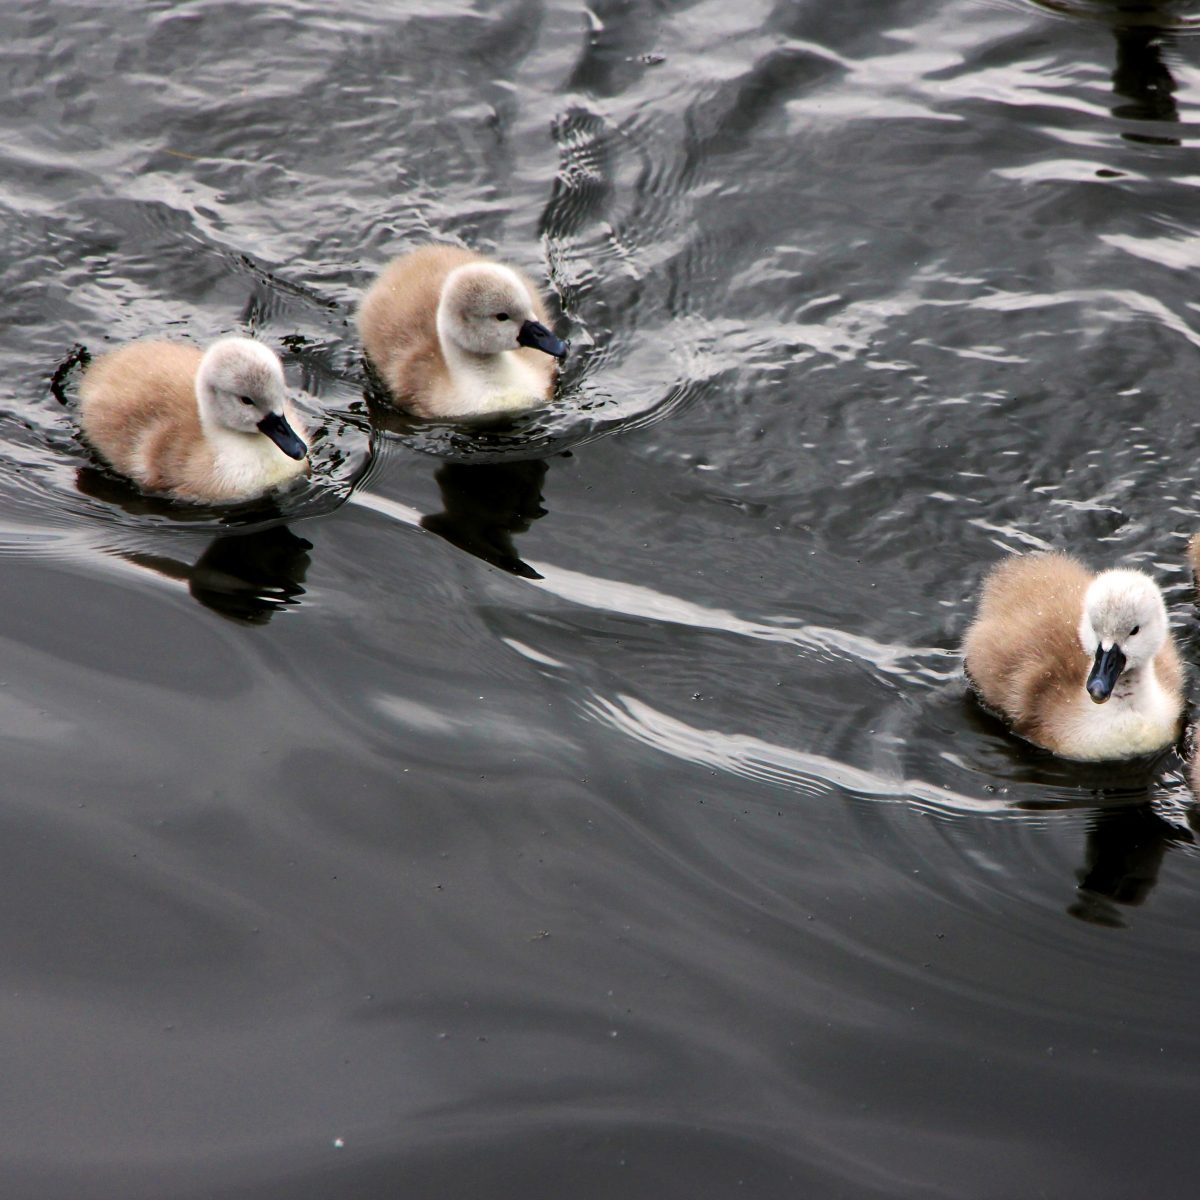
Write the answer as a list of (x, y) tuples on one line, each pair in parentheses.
[(275, 426), (535, 334), (1103, 677)]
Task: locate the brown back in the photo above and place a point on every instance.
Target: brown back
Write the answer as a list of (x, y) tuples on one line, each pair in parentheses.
[(1023, 646), (137, 407), (397, 321), (1022, 651), (1194, 558)]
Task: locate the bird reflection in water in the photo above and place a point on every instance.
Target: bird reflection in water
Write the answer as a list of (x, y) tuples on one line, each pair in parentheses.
[(1127, 834), (1124, 853), (247, 577), (1141, 79), (485, 505)]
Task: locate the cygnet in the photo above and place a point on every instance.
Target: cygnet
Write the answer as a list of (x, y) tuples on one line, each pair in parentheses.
[(1080, 664), (454, 334), (212, 427)]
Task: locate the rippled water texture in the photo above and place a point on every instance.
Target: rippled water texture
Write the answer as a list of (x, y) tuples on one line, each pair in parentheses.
[(592, 807)]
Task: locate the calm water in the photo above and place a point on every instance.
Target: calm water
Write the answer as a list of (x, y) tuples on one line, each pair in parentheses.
[(592, 807)]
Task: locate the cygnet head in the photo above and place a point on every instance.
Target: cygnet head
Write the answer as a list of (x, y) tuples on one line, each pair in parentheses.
[(1123, 627), (240, 387), (486, 309)]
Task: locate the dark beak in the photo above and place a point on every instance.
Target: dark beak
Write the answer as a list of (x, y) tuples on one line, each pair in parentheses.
[(283, 435), (1103, 678), (535, 334)]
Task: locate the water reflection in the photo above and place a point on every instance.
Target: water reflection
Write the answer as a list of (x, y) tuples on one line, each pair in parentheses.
[(1173, 15), (1124, 853), (485, 504), (77, 356), (1143, 81), (247, 577), (1127, 835)]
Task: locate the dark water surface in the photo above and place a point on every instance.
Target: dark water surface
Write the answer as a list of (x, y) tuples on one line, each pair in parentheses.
[(592, 808)]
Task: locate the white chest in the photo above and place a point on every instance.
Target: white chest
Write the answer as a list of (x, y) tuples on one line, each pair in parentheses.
[(507, 383), (1125, 727), (248, 464)]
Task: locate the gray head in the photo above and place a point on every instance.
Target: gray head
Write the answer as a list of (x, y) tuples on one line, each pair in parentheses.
[(1124, 625), (240, 387), (485, 309)]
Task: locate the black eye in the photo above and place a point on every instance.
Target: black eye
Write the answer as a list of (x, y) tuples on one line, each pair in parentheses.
[(1134, 630), (502, 316), (245, 399)]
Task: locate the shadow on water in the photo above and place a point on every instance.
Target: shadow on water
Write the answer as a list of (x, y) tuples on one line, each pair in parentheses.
[(1175, 16), (1143, 81), (78, 356), (1122, 858), (484, 505), (1127, 834), (489, 478), (490, 483), (247, 577)]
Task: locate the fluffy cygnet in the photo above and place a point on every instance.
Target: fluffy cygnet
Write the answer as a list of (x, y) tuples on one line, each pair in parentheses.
[(453, 334), (1080, 664), (208, 427), (1194, 559)]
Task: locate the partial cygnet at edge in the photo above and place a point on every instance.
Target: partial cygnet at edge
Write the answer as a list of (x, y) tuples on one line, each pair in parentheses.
[(454, 334), (1194, 770), (1078, 663), (209, 427), (1194, 560)]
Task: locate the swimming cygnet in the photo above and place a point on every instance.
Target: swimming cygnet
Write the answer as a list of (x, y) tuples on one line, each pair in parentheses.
[(1080, 664), (207, 427), (453, 334)]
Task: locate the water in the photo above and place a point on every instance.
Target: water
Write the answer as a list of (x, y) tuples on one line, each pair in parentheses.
[(593, 806)]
